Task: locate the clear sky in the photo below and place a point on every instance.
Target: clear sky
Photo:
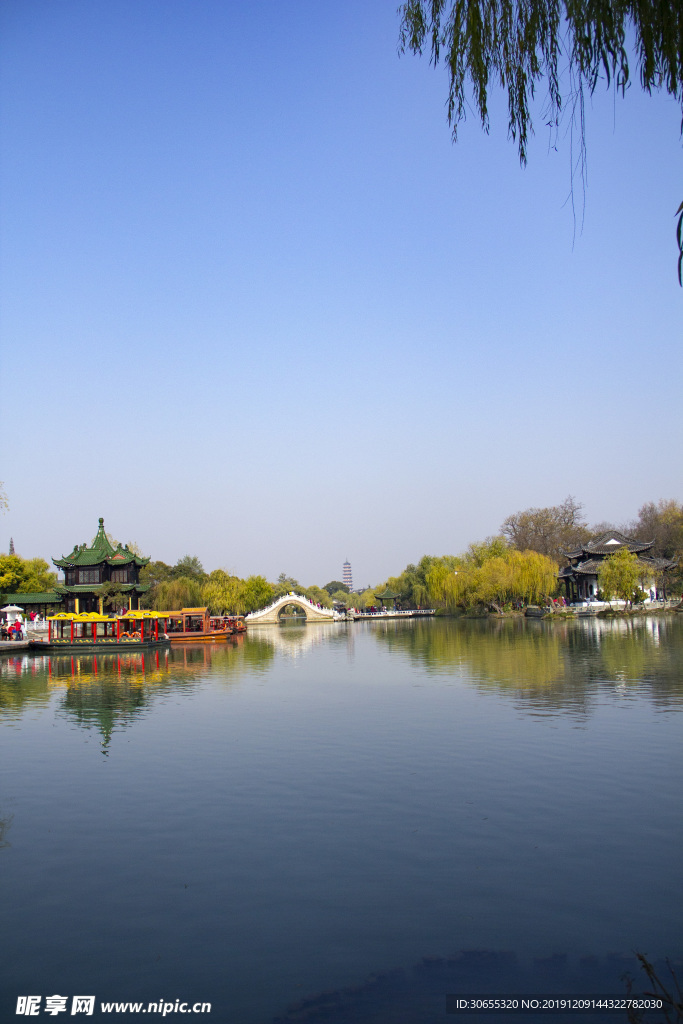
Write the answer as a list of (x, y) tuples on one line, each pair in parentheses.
[(257, 307)]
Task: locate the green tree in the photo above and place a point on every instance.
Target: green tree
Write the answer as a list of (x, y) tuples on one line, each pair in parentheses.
[(334, 585), (38, 577), (155, 573), (224, 593), (285, 584), (189, 567), (25, 575), (257, 593), (619, 576), (180, 592), (112, 596), (488, 576), (319, 595)]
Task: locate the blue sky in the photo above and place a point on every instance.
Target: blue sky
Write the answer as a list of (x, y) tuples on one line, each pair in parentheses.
[(256, 306)]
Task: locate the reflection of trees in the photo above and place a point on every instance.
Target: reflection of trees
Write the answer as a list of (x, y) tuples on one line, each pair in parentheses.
[(108, 691), (504, 652), (549, 662)]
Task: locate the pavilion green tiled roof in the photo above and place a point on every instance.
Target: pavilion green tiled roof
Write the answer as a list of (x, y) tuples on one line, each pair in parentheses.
[(101, 551), (47, 597)]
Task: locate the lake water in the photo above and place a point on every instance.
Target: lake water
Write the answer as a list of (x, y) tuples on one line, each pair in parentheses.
[(257, 823)]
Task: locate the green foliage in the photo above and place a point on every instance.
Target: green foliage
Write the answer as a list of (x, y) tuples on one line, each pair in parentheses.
[(334, 585), (257, 593), (189, 567), (180, 592), (341, 597), (619, 576), (231, 595), (155, 573), (319, 595), (489, 575), (572, 45), (25, 575), (412, 585), (112, 596), (285, 584)]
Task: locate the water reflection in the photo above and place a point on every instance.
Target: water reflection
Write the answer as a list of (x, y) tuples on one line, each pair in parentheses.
[(557, 664), (108, 691), (560, 665)]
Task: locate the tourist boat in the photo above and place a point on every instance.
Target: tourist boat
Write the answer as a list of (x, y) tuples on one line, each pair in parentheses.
[(133, 630), (197, 625)]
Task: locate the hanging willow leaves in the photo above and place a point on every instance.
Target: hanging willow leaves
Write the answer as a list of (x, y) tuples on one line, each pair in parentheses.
[(569, 44)]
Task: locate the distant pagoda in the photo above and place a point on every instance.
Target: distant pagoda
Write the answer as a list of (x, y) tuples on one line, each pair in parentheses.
[(347, 577), (87, 568)]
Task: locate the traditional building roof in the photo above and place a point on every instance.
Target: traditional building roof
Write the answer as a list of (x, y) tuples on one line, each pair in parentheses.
[(607, 543), (47, 597), (592, 566), (90, 588), (101, 551)]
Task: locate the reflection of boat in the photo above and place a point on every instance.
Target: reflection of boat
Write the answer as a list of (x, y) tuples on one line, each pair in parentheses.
[(135, 629), (197, 625)]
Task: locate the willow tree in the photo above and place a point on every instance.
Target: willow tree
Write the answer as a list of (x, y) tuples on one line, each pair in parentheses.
[(503, 577), (183, 592), (223, 593), (568, 44), (619, 575)]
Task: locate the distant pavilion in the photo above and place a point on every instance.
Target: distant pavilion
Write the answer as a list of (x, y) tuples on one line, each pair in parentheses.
[(86, 569), (580, 577)]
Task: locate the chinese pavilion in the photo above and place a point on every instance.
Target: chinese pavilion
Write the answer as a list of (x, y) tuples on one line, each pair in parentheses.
[(580, 577), (86, 569)]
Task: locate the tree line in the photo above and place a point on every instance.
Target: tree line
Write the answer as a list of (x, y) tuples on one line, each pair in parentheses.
[(518, 566)]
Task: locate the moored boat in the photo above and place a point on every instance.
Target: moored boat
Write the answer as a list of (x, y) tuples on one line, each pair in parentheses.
[(89, 630), (197, 625)]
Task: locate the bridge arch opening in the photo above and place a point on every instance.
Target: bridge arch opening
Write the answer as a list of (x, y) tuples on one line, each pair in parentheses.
[(292, 613)]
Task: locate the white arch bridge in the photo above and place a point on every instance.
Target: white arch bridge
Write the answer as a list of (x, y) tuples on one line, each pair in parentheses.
[(271, 614)]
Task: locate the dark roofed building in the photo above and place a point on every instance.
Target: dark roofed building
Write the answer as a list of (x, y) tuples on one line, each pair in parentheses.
[(580, 577), (87, 568)]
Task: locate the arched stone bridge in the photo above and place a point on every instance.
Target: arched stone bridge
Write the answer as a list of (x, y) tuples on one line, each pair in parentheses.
[(270, 615)]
